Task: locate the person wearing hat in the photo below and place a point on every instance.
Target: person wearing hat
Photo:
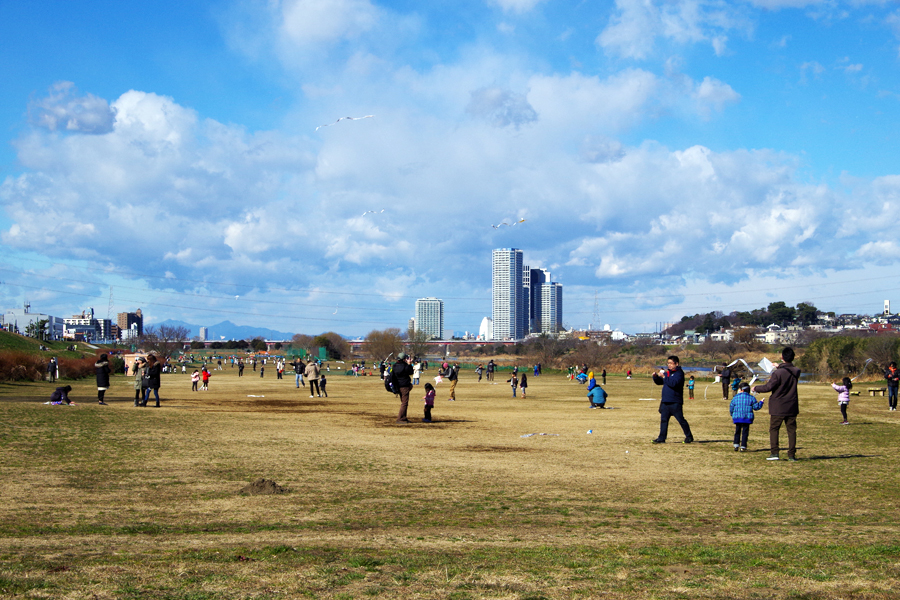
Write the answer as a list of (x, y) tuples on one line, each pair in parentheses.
[(401, 379)]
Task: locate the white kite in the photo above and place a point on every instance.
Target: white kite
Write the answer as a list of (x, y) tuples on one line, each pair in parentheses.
[(374, 212), (342, 118), (507, 224)]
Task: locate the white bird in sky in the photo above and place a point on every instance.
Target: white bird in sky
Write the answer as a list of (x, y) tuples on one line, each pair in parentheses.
[(341, 119)]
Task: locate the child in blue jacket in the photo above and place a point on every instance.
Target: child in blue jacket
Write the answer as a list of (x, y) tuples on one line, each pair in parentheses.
[(741, 408)]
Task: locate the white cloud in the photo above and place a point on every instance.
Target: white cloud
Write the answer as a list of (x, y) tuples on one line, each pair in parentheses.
[(308, 22), (712, 95), (515, 6), (636, 25), (501, 107), (64, 110)]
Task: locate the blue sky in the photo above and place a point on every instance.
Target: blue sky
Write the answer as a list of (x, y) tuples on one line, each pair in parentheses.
[(669, 157)]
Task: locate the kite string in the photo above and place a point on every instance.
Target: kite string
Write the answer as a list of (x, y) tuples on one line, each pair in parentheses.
[(868, 360)]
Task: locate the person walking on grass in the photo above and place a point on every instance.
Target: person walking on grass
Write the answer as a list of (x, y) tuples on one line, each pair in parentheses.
[(429, 402), (102, 370), (690, 385), (322, 382), (672, 403), (514, 382), (195, 379), (454, 379), (312, 374), (784, 404), (139, 374), (741, 408), (523, 384), (843, 391), (154, 370), (401, 383), (892, 377)]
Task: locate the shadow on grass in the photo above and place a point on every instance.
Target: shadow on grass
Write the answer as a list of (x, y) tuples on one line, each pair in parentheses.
[(839, 456)]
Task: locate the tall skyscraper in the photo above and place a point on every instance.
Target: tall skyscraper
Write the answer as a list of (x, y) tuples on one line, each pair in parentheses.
[(430, 317), (538, 278), (551, 307), (507, 301), (204, 334)]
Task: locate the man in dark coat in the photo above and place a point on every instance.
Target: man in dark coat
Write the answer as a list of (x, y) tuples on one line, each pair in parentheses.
[(671, 405), (401, 380), (726, 380), (784, 404)]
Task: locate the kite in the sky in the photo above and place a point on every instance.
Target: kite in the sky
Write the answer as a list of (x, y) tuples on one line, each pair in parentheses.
[(507, 224), (373, 211), (342, 118)]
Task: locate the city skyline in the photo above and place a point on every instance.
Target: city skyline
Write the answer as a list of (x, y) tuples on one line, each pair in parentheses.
[(660, 158), (524, 300)]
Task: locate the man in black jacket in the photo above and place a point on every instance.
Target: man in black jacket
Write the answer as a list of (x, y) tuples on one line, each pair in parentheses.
[(671, 405), (401, 380)]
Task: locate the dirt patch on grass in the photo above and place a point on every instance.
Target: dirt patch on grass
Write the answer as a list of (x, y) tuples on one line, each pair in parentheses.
[(263, 487)]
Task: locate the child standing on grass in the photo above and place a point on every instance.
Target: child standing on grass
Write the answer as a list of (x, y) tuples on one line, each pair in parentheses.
[(195, 379), (742, 406), (429, 402), (843, 391), (691, 388), (514, 382), (205, 375), (322, 382), (523, 384)]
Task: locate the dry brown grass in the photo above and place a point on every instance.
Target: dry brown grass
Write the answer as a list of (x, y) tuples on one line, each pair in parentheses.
[(124, 502)]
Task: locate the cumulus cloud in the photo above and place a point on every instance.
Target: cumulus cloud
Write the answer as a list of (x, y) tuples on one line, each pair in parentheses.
[(501, 107), (63, 109), (601, 149), (308, 22), (712, 95), (636, 25)]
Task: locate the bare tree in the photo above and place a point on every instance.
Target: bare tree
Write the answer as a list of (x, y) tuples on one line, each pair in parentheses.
[(710, 348), (164, 340), (746, 337), (417, 342), (883, 349), (381, 344), (591, 353)]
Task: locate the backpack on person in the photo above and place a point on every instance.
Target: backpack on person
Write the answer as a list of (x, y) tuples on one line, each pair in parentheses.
[(389, 384)]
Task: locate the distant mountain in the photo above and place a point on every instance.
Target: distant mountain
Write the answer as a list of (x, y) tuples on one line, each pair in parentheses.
[(230, 331)]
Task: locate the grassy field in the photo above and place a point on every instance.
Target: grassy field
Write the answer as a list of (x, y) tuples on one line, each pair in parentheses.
[(123, 502)]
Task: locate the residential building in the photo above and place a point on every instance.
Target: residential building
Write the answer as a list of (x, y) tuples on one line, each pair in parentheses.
[(507, 301), (551, 307), (204, 334), (125, 321), (537, 277), (430, 317)]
